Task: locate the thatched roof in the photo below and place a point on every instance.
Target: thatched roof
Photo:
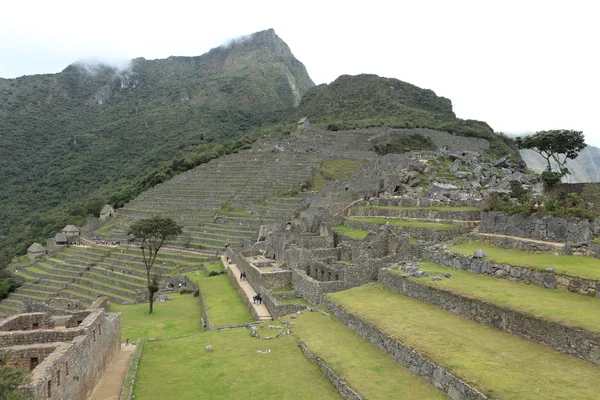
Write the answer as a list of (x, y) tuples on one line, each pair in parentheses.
[(70, 229), (106, 209), (60, 238), (36, 248)]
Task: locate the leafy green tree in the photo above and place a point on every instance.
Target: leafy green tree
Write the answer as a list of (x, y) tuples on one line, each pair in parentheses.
[(150, 234), (556, 145), (10, 380)]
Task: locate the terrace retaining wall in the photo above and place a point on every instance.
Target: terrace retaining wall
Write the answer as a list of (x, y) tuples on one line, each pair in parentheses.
[(545, 278), (431, 372), (576, 342)]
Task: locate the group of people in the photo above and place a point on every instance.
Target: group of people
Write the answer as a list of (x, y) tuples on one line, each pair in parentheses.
[(242, 276), (109, 243), (257, 298)]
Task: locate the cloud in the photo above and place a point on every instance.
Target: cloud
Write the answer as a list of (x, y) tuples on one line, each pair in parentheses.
[(94, 65)]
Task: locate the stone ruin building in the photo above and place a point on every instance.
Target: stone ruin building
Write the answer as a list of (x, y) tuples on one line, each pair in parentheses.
[(67, 354)]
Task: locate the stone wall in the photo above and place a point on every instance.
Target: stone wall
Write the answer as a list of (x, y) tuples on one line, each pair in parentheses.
[(345, 390), (421, 213), (256, 277), (71, 361), (577, 342), (545, 278), (426, 234), (572, 231), (277, 309), (241, 292), (434, 374), (310, 289), (26, 322)]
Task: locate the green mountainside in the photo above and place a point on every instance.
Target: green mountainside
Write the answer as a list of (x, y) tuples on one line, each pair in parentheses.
[(94, 134), (585, 168), (369, 100)]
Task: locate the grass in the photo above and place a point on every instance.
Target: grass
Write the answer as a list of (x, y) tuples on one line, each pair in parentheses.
[(223, 304), (399, 222), (287, 288), (179, 316), (560, 306), (352, 233), (432, 208), (215, 265), (182, 369), (363, 366), (299, 301), (499, 364), (582, 267), (334, 169)]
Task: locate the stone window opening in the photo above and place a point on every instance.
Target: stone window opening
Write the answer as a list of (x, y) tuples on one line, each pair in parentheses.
[(35, 325), (94, 332), (58, 377), (33, 362), (66, 368), (49, 389), (99, 330)]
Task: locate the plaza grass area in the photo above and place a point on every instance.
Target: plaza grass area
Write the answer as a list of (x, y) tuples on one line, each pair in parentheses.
[(224, 306), (577, 266), (368, 370), (497, 363), (560, 306), (235, 369), (400, 222), (179, 316), (432, 208), (352, 233)]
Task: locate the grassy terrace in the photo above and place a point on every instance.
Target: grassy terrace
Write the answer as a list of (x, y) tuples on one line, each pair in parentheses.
[(499, 364), (367, 369), (560, 306), (179, 316), (582, 267), (400, 222), (353, 233), (433, 208), (235, 369), (223, 304)]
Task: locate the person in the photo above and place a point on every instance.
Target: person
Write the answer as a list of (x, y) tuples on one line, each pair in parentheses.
[(259, 299), (255, 297), (241, 276), (244, 275)]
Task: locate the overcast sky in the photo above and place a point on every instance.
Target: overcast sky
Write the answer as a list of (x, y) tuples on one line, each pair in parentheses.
[(521, 66)]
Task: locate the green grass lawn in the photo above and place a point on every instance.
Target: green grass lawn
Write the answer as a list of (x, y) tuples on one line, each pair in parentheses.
[(583, 267), (286, 288), (432, 208), (175, 317), (400, 222), (224, 305), (499, 364), (215, 265), (352, 233), (181, 369), (564, 307), (370, 371)]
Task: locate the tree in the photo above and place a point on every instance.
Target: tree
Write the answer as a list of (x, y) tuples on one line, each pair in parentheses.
[(150, 234), (551, 145), (10, 380)]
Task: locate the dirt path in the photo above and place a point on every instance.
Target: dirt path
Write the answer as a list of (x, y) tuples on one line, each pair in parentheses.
[(556, 244), (109, 387)]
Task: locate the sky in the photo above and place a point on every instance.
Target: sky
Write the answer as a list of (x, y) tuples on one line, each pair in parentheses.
[(521, 66)]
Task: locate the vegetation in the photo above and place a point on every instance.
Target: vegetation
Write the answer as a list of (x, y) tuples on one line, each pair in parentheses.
[(430, 208), (499, 364), (551, 145), (353, 233), (178, 316), (583, 267), (370, 371), (560, 306), (223, 304), (363, 101), (399, 144), (150, 234), (10, 380), (235, 368), (8, 283), (334, 169), (400, 222)]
